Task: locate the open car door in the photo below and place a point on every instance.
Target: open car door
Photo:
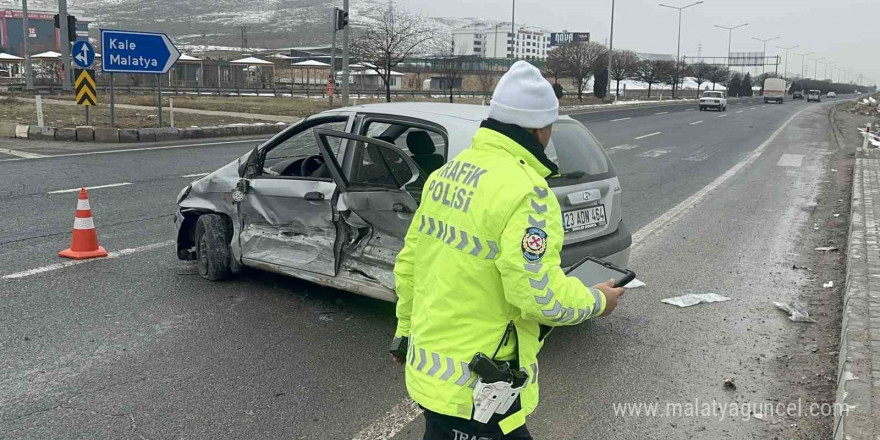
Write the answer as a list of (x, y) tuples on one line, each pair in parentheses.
[(376, 183)]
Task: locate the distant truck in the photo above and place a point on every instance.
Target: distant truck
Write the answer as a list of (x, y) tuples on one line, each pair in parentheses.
[(774, 90)]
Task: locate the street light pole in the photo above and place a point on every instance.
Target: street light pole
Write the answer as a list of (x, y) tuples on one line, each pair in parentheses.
[(786, 49), (764, 53), (803, 57), (678, 48), (729, 42), (610, 53), (65, 45), (28, 67), (816, 67), (512, 32)]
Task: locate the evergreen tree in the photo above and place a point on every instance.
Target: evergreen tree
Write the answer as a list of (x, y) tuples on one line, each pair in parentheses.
[(600, 83), (746, 85), (733, 86)]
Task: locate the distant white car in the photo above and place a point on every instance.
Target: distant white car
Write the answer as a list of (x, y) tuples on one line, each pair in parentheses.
[(832, 95), (712, 99), (814, 95)]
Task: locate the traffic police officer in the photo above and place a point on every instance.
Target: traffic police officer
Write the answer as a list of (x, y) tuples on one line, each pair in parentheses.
[(480, 269)]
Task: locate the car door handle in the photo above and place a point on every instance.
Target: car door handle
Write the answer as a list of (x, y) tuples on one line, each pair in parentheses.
[(314, 196), (400, 207)]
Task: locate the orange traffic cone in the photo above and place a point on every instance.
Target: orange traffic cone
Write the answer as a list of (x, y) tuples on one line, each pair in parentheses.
[(85, 241)]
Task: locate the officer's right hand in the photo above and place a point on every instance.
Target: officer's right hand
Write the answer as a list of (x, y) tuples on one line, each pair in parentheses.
[(612, 295)]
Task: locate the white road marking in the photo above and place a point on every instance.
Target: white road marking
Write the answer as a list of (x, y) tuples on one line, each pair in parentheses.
[(620, 119), (753, 108), (625, 147), (110, 256), (740, 111), (649, 135), (654, 153), (164, 147), (392, 422), (790, 160), (721, 116), (195, 175), (698, 156), (21, 154), (690, 110), (671, 216), (661, 113), (112, 185), (695, 123)]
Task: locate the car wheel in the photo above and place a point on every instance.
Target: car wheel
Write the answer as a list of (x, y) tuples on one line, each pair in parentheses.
[(212, 248)]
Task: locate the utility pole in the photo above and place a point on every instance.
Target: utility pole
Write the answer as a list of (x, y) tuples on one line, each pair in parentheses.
[(764, 53), (803, 57), (610, 52), (816, 67), (512, 32), (345, 48), (678, 48), (65, 45), (786, 49), (25, 31), (334, 17), (730, 42)]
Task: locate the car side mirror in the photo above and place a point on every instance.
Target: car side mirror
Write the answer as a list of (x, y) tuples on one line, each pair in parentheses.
[(248, 168)]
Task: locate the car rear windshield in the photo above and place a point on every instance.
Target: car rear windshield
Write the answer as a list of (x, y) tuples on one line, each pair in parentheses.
[(578, 154), (712, 95)]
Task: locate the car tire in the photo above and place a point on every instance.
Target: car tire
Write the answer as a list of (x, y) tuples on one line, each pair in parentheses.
[(212, 248)]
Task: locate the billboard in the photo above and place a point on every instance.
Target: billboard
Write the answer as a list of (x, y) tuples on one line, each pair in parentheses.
[(560, 38), (743, 59)]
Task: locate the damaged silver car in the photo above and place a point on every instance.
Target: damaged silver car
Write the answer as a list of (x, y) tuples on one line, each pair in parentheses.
[(330, 198)]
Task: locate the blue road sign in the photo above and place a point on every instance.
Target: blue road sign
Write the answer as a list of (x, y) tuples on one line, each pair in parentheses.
[(83, 54), (136, 52)]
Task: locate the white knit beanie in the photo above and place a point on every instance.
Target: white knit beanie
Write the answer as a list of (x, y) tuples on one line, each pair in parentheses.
[(524, 98)]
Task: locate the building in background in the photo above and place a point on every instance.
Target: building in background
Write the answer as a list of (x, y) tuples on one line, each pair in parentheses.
[(495, 41), (42, 34)]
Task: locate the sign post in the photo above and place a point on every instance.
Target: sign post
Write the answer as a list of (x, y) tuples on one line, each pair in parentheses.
[(84, 88), (137, 52)]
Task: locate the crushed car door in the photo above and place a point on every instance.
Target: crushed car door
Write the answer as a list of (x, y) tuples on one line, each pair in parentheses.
[(286, 211), (375, 204)]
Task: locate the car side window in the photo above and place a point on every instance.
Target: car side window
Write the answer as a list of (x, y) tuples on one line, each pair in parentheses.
[(299, 155), (426, 147)]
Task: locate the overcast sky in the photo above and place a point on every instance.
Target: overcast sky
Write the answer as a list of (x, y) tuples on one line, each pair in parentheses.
[(830, 28)]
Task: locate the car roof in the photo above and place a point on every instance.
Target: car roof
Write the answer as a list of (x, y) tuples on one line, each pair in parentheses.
[(425, 110)]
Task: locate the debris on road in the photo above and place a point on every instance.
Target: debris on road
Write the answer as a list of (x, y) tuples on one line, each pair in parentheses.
[(797, 312), (692, 299), (729, 383), (826, 248), (634, 284), (758, 416), (828, 285)]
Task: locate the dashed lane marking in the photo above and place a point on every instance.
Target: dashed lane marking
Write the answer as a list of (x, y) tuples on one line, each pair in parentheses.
[(654, 153), (698, 156), (689, 110), (112, 185), (695, 123), (21, 154), (620, 119), (721, 116), (649, 135), (110, 256), (740, 111), (195, 175), (661, 113)]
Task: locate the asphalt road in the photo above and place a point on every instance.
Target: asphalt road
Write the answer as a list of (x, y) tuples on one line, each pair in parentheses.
[(139, 346)]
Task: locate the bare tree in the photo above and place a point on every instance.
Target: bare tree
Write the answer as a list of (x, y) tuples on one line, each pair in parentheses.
[(556, 60), (581, 60), (387, 43), (487, 79), (718, 75), (674, 74), (624, 65), (701, 72), (650, 72), (451, 67)]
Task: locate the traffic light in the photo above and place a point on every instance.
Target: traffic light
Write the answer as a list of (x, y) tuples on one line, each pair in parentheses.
[(71, 26), (341, 19)]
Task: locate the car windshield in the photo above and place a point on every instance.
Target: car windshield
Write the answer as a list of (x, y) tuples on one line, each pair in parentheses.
[(712, 95), (577, 153)]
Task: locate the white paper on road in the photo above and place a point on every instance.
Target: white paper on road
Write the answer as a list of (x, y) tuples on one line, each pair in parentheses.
[(797, 312), (634, 284), (692, 299), (828, 285)]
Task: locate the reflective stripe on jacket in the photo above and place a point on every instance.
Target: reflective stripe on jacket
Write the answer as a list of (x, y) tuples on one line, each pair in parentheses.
[(482, 251)]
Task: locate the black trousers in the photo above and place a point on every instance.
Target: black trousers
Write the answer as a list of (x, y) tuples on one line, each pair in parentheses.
[(443, 427)]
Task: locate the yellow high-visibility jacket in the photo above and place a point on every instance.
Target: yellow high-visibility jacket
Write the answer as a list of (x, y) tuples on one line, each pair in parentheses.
[(483, 251)]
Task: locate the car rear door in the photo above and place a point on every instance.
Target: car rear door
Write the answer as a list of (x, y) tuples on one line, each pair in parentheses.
[(286, 215), (375, 206)]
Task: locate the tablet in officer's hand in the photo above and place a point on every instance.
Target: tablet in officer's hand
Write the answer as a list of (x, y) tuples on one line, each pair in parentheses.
[(592, 271)]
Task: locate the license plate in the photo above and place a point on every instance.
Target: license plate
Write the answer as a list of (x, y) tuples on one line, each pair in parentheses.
[(584, 218)]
